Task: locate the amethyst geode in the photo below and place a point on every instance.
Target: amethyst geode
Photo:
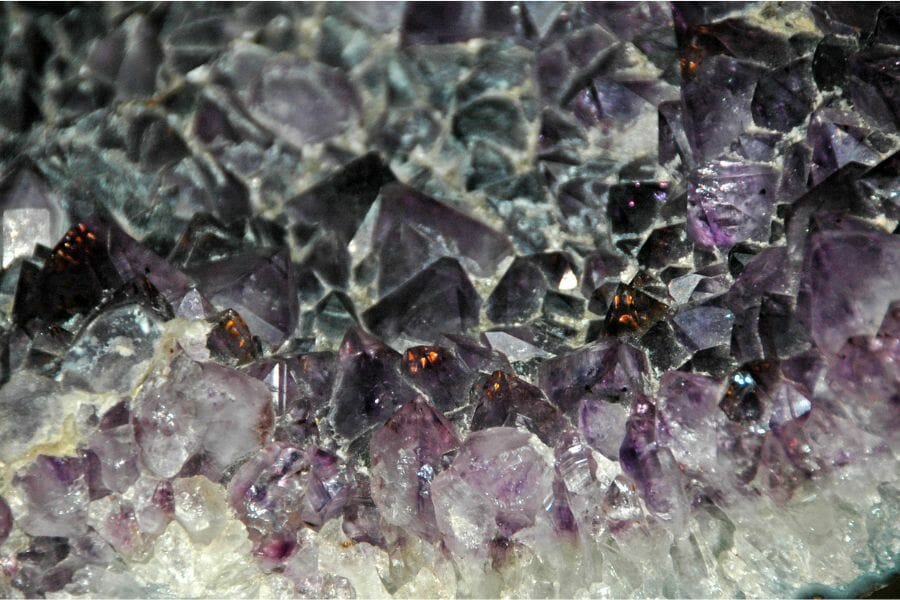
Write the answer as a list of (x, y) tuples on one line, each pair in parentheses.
[(449, 299)]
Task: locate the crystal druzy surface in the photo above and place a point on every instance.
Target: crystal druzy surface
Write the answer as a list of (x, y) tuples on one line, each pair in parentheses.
[(449, 299)]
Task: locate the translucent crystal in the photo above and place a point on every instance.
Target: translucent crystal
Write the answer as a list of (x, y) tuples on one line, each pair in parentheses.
[(22, 229)]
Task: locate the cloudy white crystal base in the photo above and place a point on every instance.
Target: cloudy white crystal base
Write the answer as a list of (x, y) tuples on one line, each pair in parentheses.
[(835, 536), (831, 541)]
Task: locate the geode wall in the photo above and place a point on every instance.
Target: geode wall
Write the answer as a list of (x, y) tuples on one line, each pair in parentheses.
[(449, 299)]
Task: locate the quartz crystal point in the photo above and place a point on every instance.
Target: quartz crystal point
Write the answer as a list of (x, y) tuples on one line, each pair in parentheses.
[(200, 410), (440, 299), (448, 231), (32, 405), (717, 104), (602, 424), (704, 327), (507, 401), (494, 487), (441, 374), (852, 278), (837, 138), (258, 285), (57, 495), (302, 102), (784, 98), (369, 387), (730, 203), (606, 369), (113, 444), (355, 187), (31, 213), (284, 488), (518, 294), (688, 420), (407, 453), (875, 74), (649, 465)]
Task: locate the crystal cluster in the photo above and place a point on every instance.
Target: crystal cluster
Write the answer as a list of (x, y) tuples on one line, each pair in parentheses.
[(449, 299)]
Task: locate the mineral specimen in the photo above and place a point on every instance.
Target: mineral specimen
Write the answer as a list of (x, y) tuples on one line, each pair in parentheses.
[(473, 299)]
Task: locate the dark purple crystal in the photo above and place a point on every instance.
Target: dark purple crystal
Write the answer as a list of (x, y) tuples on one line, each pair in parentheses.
[(369, 388)]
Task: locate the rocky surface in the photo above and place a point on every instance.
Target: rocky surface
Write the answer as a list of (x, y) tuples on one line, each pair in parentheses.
[(449, 300)]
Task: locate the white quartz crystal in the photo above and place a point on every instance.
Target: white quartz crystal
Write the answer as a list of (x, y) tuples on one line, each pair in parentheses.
[(22, 229)]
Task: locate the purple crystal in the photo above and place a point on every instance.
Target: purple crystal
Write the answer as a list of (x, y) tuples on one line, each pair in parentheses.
[(300, 387), (362, 519), (200, 410), (451, 232), (302, 102), (652, 467), (154, 505), (354, 186), (605, 369), (601, 269), (440, 299), (717, 105), (259, 286), (56, 496), (621, 505), (561, 516), (665, 246), (369, 387), (128, 58), (423, 23), (866, 372), (875, 76), (628, 20), (688, 419), (494, 487), (25, 401), (729, 203), (326, 489), (518, 294), (633, 207), (837, 139), (114, 521), (784, 97), (113, 444), (239, 253), (284, 488), (477, 357), (407, 453), (602, 424), (440, 373), (852, 278), (43, 566), (704, 327), (507, 401)]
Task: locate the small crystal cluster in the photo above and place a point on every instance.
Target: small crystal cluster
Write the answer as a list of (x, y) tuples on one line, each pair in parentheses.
[(449, 299)]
